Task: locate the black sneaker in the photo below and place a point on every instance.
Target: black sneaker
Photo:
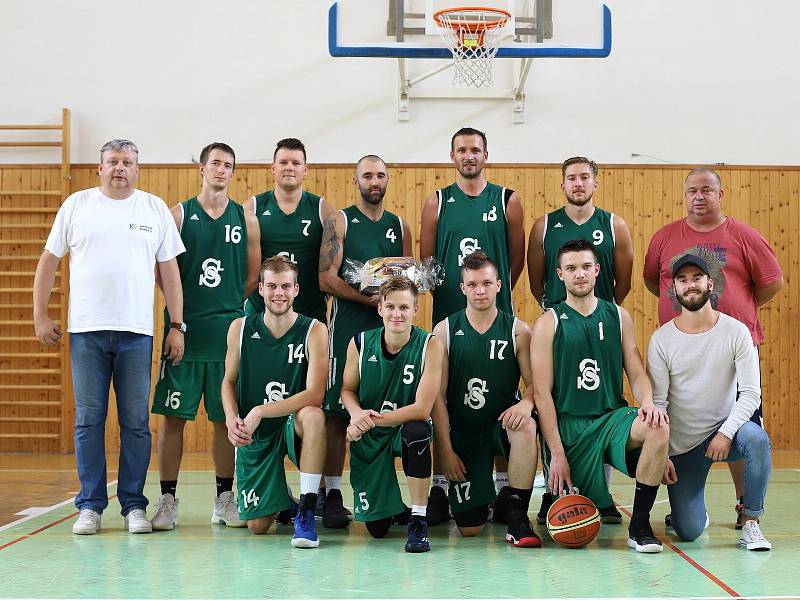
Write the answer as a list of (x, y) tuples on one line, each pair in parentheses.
[(286, 517), (547, 502), (520, 532), (610, 515), (320, 502), (418, 535), (644, 540), (501, 506), (438, 507), (334, 515), (404, 517), (668, 520)]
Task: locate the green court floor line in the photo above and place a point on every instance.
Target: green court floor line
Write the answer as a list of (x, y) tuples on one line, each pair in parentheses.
[(201, 560)]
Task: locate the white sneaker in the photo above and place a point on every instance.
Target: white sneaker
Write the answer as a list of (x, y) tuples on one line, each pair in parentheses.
[(538, 481), (88, 522), (136, 521), (752, 538), (226, 511), (166, 516)]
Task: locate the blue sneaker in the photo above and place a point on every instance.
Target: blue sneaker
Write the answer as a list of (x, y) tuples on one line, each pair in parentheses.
[(305, 527), (417, 535)]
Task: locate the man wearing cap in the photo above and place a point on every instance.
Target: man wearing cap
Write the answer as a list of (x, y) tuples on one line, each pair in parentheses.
[(741, 263), (709, 416)]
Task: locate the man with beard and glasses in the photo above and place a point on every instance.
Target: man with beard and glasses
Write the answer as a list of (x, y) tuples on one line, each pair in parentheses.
[(360, 232), (741, 262), (579, 350), (704, 370), (579, 218), (469, 215)]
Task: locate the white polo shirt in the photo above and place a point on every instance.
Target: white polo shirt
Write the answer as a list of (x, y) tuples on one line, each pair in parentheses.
[(113, 247)]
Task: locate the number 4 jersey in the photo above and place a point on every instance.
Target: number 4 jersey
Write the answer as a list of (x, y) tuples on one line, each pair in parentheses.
[(213, 272), (587, 360)]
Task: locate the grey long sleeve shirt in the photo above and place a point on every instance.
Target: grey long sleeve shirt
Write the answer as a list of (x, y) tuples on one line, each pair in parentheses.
[(697, 377)]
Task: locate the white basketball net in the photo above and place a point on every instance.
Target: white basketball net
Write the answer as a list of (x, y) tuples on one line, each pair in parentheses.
[(473, 36)]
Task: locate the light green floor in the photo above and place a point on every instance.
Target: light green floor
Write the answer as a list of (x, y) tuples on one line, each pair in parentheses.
[(201, 560)]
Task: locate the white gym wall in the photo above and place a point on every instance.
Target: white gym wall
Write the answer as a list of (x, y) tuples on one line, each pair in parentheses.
[(690, 81)]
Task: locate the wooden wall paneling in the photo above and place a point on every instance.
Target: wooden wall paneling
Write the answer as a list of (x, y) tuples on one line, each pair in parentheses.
[(646, 197)]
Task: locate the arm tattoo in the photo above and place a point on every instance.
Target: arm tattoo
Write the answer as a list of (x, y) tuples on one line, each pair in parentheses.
[(331, 246)]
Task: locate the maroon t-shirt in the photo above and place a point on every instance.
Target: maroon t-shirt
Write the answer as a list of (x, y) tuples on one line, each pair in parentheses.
[(739, 258)]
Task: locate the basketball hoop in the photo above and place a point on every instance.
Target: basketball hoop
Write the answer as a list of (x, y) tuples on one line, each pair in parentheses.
[(473, 34)]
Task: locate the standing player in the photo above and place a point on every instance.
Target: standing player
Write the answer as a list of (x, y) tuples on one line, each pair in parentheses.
[(275, 373), (579, 349), (391, 380), (222, 251), (290, 221), (608, 233), (479, 413), (745, 271), (360, 232), (468, 215)]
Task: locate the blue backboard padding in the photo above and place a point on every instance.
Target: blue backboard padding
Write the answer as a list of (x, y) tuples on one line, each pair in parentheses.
[(406, 51)]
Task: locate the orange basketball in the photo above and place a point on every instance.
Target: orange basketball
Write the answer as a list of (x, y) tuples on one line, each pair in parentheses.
[(573, 521)]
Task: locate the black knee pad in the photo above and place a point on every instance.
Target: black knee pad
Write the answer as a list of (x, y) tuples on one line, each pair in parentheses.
[(472, 517), (416, 453), (379, 528)]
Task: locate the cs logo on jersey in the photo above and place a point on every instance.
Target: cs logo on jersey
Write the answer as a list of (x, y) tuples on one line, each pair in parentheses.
[(467, 247), (276, 391), (476, 388), (210, 277), (589, 378), (288, 255)]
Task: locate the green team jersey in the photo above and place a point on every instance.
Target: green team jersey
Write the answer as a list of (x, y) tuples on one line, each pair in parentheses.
[(271, 370), (389, 383), (297, 237), (364, 239), (560, 229), (213, 271), (587, 360), (465, 224), (483, 372)]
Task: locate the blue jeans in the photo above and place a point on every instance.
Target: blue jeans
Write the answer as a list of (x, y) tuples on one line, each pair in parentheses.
[(686, 496), (98, 357)]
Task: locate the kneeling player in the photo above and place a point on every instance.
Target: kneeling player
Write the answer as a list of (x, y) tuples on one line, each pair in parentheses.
[(579, 350), (390, 382), (275, 373), (478, 413)]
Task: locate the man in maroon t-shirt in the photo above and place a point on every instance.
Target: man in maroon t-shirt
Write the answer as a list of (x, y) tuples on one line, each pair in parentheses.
[(743, 266)]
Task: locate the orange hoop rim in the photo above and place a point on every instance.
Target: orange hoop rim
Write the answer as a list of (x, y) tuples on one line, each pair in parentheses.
[(470, 26)]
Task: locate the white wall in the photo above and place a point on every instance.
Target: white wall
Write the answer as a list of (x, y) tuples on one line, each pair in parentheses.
[(694, 81)]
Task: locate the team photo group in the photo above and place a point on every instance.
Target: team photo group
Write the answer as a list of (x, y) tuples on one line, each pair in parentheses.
[(264, 323)]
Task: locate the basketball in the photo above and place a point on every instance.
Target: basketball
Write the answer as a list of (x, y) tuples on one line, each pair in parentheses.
[(573, 521)]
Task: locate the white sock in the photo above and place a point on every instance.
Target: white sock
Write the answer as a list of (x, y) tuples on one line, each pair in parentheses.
[(419, 510), (441, 481), (333, 483), (608, 470), (500, 481), (309, 482)]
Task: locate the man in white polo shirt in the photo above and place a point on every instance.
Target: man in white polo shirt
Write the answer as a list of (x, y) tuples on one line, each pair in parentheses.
[(115, 235)]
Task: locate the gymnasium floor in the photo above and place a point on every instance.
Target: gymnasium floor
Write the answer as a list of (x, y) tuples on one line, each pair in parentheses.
[(40, 558)]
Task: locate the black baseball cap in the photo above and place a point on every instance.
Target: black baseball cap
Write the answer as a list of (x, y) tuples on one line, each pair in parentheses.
[(689, 259)]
